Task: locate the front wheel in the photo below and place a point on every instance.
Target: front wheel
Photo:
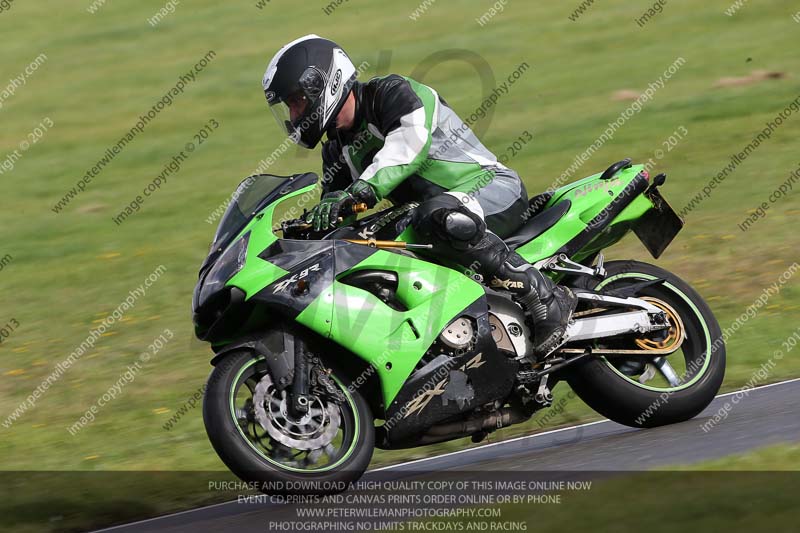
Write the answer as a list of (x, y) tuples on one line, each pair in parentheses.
[(651, 392), (256, 436)]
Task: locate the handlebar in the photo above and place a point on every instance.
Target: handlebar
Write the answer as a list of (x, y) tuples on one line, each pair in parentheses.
[(299, 224), (304, 229)]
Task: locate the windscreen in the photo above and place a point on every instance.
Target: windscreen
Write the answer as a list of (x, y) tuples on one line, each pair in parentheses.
[(245, 203)]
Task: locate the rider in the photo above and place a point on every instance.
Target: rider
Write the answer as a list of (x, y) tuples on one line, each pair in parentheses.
[(393, 137)]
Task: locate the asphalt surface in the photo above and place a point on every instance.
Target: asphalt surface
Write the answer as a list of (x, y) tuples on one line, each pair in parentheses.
[(764, 416)]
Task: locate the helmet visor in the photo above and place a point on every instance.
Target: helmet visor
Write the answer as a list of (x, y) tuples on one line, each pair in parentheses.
[(294, 109), (289, 113)]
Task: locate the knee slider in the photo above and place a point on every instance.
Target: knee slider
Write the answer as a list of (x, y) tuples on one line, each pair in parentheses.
[(446, 218), (461, 227), (458, 226)]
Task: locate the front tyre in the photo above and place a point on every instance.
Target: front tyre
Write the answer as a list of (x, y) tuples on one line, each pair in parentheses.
[(658, 391), (247, 422)]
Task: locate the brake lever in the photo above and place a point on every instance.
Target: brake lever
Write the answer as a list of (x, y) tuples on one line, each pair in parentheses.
[(299, 224)]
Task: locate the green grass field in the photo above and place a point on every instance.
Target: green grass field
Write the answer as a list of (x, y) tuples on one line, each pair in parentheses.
[(70, 270)]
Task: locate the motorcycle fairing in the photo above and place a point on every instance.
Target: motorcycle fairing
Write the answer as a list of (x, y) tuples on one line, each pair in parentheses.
[(310, 269), (450, 385), (392, 341), (601, 212)]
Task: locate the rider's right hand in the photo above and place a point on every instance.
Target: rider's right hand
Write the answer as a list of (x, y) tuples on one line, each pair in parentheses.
[(326, 214)]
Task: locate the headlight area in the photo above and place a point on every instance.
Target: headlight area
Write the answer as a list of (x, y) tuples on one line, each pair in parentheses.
[(225, 267)]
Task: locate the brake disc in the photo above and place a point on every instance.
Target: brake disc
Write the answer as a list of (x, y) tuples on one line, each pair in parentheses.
[(316, 429)]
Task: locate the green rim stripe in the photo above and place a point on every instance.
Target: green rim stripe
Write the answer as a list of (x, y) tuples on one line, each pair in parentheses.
[(291, 468), (697, 313)]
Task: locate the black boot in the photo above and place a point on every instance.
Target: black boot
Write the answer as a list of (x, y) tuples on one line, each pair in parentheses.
[(549, 306)]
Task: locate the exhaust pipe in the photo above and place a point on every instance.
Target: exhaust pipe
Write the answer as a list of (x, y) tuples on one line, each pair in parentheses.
[(501, 418)]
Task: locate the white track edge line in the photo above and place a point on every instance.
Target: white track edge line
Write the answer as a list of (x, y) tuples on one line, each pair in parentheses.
[(523, 437), (535, 435), (491, 444)]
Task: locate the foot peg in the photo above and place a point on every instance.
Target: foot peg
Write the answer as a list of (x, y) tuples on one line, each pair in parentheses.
[(562, 263), (543, 395)]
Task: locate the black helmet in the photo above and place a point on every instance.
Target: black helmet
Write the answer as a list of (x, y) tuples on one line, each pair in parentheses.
[(306, 85)]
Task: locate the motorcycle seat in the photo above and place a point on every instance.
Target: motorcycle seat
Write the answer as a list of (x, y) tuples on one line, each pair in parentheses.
[(538, 224)]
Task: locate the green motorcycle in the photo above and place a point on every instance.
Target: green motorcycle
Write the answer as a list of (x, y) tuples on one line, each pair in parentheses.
[(327, 346)]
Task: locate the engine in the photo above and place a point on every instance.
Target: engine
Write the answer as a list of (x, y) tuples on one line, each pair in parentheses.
[(459, 334), (508, 328)]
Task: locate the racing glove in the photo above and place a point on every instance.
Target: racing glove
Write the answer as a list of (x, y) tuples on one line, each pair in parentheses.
[(336, 203)]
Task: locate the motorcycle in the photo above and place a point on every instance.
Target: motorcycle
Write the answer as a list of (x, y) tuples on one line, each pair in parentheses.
[(329, 345)]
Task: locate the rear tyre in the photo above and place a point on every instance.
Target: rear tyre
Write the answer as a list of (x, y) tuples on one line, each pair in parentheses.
[(320, 453), (641, 395)]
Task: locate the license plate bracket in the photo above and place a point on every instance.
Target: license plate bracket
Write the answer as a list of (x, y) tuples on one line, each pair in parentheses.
[(659, 226)]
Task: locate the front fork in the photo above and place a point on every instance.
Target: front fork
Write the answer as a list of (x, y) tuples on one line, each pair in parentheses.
[(311, 380), (298, 404)]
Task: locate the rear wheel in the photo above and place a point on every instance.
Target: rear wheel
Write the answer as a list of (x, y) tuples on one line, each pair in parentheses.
[(251, 428), (650, 392)]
